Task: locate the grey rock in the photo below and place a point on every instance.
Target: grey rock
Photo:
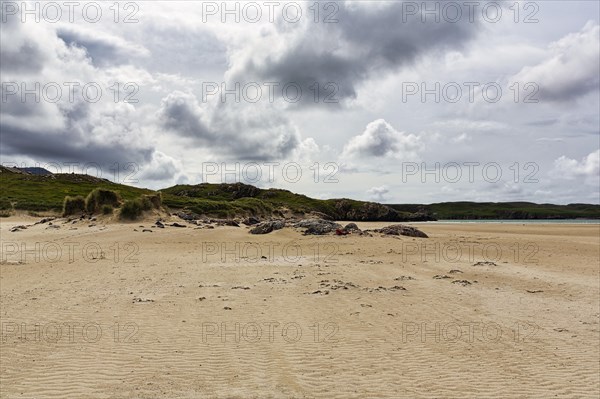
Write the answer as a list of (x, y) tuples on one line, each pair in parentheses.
[(46, 220), (267, 227), (251, 221), (187, 216), (402, 230), (318, 226), (351, 227)]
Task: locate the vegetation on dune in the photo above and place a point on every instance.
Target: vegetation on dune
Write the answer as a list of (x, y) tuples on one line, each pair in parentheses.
[(134, 208), (47, 193), (5, 205), (73, 205), (107, 209), (131, 209), (238, 199), (155, 200), (100, 197)]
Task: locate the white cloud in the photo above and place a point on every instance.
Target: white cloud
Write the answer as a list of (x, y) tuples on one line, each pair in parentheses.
[(569, 168), (461, 138), (380, 139), (378, 194), (570, 69)]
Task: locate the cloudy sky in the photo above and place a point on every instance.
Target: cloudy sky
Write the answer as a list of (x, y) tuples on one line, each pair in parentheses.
[(398, 102)]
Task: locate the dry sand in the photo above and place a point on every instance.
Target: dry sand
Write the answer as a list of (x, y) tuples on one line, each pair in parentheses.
[(185, 313)]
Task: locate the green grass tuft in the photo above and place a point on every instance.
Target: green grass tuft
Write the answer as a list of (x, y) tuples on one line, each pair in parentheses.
[(73, 205), (107, 209), (100, 197), (132, 209)]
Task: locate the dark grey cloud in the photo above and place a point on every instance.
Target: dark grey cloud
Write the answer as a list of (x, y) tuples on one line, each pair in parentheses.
[(363, 43), (13, 105), (62, 146), (73, 139), (232, 129), (181, 112), (26, 58), (544, 122), (68, 130), (19, 55), (103, 49)]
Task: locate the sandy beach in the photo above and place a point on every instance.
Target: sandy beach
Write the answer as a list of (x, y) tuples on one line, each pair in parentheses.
[(476, 310)]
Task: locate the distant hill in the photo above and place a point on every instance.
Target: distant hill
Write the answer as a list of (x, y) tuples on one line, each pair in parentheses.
[(23, 190), (502, 210), (36, 171), (46, 193), (243, 199)]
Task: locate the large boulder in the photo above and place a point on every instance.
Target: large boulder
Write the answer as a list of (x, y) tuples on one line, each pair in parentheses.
[(267, 227), (187, 216), (402, 230), (352, 227), (318, 226), (251, 221)]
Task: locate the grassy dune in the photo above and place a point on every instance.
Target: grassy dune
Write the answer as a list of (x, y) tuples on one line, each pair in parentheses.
[(21, 191)]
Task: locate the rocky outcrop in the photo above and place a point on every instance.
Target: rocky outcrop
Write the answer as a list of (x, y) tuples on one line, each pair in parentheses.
[(365, 212), (251, 221), (267, 227), (352, 227), (240, 190), (317, 226), (401, 230), (187, 216), (232, 191)]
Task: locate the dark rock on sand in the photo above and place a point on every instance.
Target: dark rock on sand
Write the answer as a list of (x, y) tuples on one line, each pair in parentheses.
[(351, 227), (45, 220), (401, 230), (267, 227), (188, 216), (251, 221), (486, 263), (464, 283), (318, 226)]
